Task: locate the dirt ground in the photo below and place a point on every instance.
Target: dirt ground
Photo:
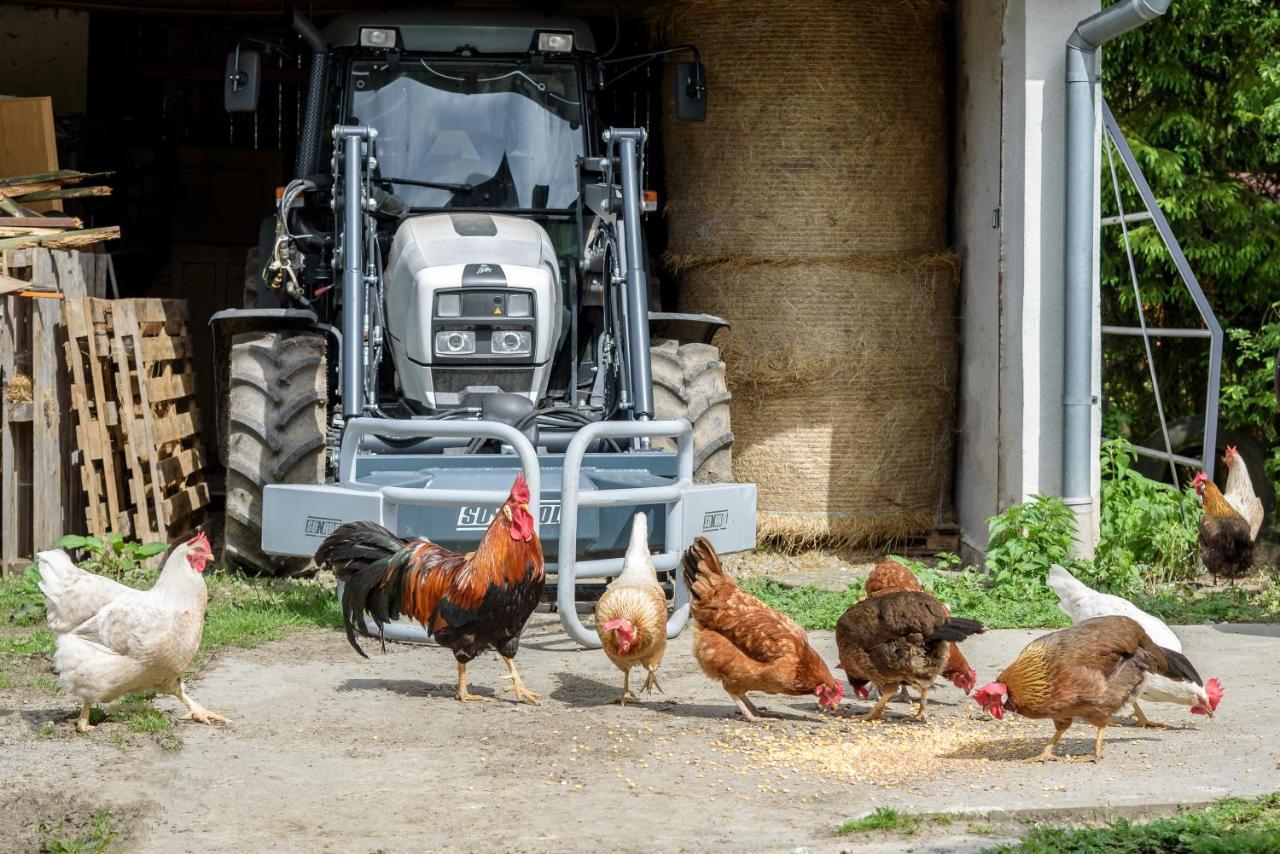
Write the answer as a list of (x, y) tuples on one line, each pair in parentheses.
[(332, 752)]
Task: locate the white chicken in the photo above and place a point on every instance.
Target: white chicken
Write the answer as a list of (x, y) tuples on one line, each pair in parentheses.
[(114, 640), (631, 616), (1240, 494), (1080, 602)]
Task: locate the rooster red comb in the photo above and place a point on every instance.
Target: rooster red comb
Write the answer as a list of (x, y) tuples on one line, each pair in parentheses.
[(520, 490), (200, 541), (1231, 454)]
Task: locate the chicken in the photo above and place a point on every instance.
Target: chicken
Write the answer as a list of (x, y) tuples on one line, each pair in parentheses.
[(114, 640), (897, 638), (467, 602), (1080, 602), (888, 576), (1240, 494), (631, 616), (1089, 671), (1226, 546), (744, 644)]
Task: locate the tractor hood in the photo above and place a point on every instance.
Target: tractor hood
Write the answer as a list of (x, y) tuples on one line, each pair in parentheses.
[(438, 240)]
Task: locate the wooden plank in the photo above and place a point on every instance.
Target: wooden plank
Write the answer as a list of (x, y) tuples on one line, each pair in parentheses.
[(180, 466), (41, 222), (186, 502), (161, 310), (110, 482), (86, 434), (163, 389), (69, 273), (48, 457), (63, 239), (160, 347), (57, 195), (27, 188), (141, 431), (9, 535), (59, 176), (174, 428), (27, 142)]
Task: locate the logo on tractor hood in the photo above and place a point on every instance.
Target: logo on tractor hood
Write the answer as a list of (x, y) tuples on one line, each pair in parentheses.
[(479, 518)]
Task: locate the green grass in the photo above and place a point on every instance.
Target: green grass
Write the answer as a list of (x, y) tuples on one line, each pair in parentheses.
[(1237, 826), (814, 608), (884, 818), (246, 613), (100, 835)]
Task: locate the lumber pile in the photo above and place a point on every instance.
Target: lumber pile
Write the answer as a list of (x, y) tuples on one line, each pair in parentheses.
[(40, 494), (133, 389), (22, 226)]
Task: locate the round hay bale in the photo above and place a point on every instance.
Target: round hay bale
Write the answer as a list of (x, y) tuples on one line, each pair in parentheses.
[(843, 376), (826, 131)]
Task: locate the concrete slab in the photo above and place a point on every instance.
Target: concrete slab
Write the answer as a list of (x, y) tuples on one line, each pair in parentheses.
[(332, 752)]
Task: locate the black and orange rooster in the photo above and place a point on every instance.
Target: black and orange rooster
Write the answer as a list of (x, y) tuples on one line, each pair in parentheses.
[(467, 602), (1226, 543)]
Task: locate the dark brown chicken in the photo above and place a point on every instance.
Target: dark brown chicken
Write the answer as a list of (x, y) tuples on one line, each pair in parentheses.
[(467, 602), (888, 576), (1087, 672), (744, 644), (1226, 542), (898, 638)]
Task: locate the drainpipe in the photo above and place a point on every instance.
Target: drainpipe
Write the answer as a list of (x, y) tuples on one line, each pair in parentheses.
[(1083, 73)]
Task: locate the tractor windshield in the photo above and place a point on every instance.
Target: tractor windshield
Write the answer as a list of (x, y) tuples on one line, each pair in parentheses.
[(506, 134)]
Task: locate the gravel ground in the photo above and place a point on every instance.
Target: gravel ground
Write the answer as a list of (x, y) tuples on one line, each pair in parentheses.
[(331, 752)]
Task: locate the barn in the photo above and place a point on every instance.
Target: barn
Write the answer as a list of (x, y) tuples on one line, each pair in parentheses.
[(893, 205)]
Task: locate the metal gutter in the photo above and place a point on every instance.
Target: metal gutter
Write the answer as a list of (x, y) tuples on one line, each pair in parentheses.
[(1082, 75)]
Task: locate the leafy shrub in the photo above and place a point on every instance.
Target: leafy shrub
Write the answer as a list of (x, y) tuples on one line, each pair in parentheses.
[(117, 558), (1026, 539)]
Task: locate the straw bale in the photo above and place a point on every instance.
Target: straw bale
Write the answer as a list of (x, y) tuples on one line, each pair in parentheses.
[(826, 129), (844, 384)]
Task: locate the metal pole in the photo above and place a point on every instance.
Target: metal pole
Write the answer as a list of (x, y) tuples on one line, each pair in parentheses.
[(353, 287), (629, 140), (1078, 248)]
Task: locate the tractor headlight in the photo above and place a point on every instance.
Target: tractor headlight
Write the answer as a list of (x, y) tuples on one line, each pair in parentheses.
[(455, 342), (377, 37), (555, 42), (449, 305), (511, 342), (519, 305)]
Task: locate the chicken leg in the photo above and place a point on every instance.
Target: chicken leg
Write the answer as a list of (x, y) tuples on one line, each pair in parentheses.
[(83, 725), (1060, 729), (874, 714), (1097, 745), (919, 715), (197, 712), (517, 684), (462, 694), (651, 681), (1143, 720), (626, 689)]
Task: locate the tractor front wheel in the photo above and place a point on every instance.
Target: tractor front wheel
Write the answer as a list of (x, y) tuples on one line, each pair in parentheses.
[(275, 433), (689, 382)]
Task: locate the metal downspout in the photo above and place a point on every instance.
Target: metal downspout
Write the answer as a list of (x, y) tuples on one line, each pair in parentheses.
[(1082, 73)]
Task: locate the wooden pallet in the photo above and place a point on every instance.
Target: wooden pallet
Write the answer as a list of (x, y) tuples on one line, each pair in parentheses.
[(134, 389), (40, 495)]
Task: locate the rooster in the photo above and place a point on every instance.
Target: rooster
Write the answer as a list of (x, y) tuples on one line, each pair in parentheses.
[(1089, 671), (631, 616), (889, 576), (114, 640), (744, 644), (1080, 602), (1240, 494), (467, 602), (1226, 546), (898, 638)]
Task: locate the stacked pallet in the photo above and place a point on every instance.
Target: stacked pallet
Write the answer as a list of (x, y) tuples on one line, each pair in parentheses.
[(40, 497), (137, 423)]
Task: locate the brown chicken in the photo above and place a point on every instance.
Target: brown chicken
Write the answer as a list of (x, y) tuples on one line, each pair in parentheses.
[(890, 576), (744, 644), (897, 638), (468, 602), (631, 615), (1089, 671), (1226, 543)]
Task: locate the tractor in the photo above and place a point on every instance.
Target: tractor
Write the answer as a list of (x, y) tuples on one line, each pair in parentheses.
[(455, 286)]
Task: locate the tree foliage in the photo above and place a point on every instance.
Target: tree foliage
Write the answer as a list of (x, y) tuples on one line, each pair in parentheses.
[(1197, 94)]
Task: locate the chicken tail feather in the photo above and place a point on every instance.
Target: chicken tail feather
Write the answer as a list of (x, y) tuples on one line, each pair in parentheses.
[(360, 553), (1179, 666), (957, 629), (702, 570)]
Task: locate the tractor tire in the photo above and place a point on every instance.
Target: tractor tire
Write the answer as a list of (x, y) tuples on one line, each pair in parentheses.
[(689, 382), (276, 433)]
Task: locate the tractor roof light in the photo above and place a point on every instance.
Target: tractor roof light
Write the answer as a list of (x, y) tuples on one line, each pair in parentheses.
[(555, 42), (383, 38)]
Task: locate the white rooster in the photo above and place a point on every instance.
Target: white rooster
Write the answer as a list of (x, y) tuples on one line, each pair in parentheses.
[(114, 640), (1240, 494), (1081, 602)]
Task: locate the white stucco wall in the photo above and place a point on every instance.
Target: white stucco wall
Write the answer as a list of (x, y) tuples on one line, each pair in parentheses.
[(1011, 54)]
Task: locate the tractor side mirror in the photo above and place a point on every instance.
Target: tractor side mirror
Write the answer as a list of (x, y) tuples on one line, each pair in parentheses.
[(242, 82), (691, 92)]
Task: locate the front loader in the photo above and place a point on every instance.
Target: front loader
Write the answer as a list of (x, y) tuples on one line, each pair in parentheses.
[(455, 287)]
